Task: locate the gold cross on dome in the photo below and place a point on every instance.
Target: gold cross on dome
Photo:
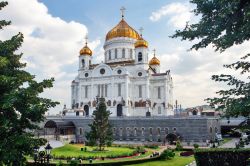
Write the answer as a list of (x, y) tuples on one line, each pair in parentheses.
[(122, 11), (154, 51), (86, 39), (141, 30)]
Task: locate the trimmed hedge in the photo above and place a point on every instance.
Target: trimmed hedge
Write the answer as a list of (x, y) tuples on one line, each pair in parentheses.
[(221, 157)]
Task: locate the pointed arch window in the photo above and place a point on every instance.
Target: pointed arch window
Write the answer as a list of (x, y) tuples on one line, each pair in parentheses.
[(139, 57), (123, 53)]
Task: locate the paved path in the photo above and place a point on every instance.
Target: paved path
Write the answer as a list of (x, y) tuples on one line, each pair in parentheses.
[(53, 144)]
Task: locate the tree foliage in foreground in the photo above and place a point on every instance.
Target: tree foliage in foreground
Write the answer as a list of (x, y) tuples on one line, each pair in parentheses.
[(100, 133), (21, 107), (223, 24)]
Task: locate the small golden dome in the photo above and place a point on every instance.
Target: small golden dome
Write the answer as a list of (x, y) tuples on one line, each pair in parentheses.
[(141, 43), (154, 61), (86, 51), (122, 30)]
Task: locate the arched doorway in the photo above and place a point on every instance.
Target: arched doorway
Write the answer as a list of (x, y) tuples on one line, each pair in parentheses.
[(171, 138), (86, 109), (119, 110), (77, 113), (194, 112)]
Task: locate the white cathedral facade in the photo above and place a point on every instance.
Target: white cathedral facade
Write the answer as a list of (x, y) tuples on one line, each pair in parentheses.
[(131, 84)]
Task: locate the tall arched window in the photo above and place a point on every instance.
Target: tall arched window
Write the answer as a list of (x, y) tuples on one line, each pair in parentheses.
[(115, 53), (83, 63), (123, 53), (139, 57), (81, 131), (109, 54), (159, 131), (150, 131), (135, 131)]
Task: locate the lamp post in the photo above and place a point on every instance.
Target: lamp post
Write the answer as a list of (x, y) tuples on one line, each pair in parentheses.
[(36, 149), (48, 151)]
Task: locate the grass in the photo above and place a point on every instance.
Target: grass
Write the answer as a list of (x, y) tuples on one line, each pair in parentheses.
[(74, 150), (176, 161)]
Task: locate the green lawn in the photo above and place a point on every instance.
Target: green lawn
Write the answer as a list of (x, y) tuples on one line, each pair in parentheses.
[(176, 161), (74, 150)]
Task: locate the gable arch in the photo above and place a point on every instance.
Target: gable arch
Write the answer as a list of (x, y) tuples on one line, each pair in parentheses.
[(102, 70)]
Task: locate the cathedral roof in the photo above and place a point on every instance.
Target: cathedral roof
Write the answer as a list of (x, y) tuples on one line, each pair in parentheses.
[(122, 29)]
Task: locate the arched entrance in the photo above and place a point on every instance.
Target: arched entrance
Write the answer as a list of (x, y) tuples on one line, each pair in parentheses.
[(172, 138), (119, 110), (86, 109), (194, 112)]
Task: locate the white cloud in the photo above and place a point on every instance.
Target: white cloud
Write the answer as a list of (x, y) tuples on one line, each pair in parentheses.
[(179, 14), (192, 71), (50, 44)]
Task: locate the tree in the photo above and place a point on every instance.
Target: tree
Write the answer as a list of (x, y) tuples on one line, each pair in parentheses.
[(21, 107), (224, 24), (100, 130)]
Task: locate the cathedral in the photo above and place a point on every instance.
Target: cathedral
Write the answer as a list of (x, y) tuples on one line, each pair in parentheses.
[(131, 84), (136, 92)]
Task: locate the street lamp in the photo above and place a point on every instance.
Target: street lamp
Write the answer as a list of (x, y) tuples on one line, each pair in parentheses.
[(36, 149), (48, 151)]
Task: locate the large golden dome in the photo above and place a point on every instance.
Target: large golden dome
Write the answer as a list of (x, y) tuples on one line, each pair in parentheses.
[(154, 61), (86, 51), (122, 30), (141, 43)]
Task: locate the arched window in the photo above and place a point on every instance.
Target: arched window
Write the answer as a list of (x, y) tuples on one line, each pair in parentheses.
[(159, 110), (109, 54), (166, 131), (215, 129), (142, 131), (120, 132), (89, 62), (115, 53), (211, 130), (83, 63), (159, 92), (135, 131), (123, 53), (114, 129), (139, 57), (131, 53), (150, 131), (127, 131), (159, 131), (80, 131), (174, 129)]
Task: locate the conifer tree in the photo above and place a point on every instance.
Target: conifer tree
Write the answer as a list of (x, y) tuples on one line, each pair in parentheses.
[(21, 107), (224, 23), (100, 133)]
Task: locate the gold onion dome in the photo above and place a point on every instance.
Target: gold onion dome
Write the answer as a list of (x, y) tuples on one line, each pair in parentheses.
[(122, 30), (154, 60), (141, 43), (86, 50)]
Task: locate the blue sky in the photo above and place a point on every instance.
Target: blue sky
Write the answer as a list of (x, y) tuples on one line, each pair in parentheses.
[(54, 32)]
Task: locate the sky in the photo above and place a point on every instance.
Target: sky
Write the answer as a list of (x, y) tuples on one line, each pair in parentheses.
[(54, 32)]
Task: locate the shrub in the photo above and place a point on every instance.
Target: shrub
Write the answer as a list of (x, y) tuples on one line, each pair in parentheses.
[(152, 146), (196, 146), (187, 153), (167, 154), (179, 147), (207, 157)]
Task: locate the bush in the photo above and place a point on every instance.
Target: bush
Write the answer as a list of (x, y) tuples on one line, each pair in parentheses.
[(230, 157), (187, 153), (167, 154), (179, 147), (196, 146), (152, 146)]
